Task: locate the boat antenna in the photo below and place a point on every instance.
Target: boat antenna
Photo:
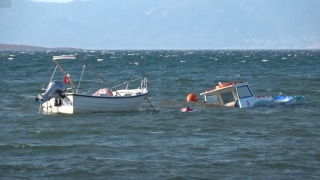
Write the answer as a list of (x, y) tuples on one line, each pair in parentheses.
[(95, 73)]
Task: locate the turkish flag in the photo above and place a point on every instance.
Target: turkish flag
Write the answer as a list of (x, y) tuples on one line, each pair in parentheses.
[(66, 80)]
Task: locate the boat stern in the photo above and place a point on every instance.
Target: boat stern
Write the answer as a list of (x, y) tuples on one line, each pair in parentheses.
[(55, 105)]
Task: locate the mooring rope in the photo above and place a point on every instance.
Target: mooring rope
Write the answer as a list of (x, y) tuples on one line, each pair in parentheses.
[(150, 103)]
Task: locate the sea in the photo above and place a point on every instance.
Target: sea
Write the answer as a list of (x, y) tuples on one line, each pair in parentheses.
[(271, 141)]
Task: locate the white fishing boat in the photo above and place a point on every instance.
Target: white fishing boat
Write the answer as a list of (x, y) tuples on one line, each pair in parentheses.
[(58, 98), (234, 94)]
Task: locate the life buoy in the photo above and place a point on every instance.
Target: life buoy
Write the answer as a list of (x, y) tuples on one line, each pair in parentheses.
[(222, 85)]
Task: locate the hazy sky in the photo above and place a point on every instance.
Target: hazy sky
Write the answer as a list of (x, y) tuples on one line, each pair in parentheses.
[(163, 24), (57, 1)]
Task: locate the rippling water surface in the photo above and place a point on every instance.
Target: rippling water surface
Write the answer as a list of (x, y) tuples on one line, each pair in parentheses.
[(278, 141)]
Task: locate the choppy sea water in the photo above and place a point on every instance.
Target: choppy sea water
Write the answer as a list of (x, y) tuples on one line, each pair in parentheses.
[(275, 141)]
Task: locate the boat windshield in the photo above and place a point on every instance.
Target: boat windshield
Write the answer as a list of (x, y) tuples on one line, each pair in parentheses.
[(227, 97), (212, 99), (244, 92)]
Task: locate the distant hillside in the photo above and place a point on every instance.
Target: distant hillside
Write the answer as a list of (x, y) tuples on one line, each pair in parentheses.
[(164, 24), (14, 47)]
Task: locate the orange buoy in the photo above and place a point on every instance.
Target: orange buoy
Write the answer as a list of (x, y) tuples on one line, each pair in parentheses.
[(222, 85), (192, 97)]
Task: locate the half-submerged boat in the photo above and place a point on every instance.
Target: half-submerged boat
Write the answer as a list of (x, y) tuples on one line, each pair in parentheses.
[(57, 98), (233, 94)]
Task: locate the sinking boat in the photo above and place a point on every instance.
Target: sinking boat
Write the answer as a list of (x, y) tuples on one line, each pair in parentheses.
[(234, 94), (64, 97)]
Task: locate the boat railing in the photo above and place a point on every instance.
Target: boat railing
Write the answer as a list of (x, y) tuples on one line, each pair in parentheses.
[(142, 86), (71, 90)]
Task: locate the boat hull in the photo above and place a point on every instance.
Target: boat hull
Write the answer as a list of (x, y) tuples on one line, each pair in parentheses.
[(75, 103)]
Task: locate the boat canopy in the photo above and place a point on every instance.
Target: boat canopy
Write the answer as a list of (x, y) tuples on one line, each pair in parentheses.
[(64, 57)]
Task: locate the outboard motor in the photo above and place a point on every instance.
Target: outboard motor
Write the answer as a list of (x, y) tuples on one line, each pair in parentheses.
[(55, 89)]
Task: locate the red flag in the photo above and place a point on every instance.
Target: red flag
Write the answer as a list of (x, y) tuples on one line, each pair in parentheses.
[(66, 80)]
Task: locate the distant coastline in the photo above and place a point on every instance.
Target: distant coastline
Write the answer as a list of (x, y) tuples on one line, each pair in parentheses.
[(21, 47)]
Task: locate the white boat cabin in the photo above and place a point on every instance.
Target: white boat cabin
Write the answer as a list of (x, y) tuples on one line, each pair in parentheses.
[(233, 94)]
